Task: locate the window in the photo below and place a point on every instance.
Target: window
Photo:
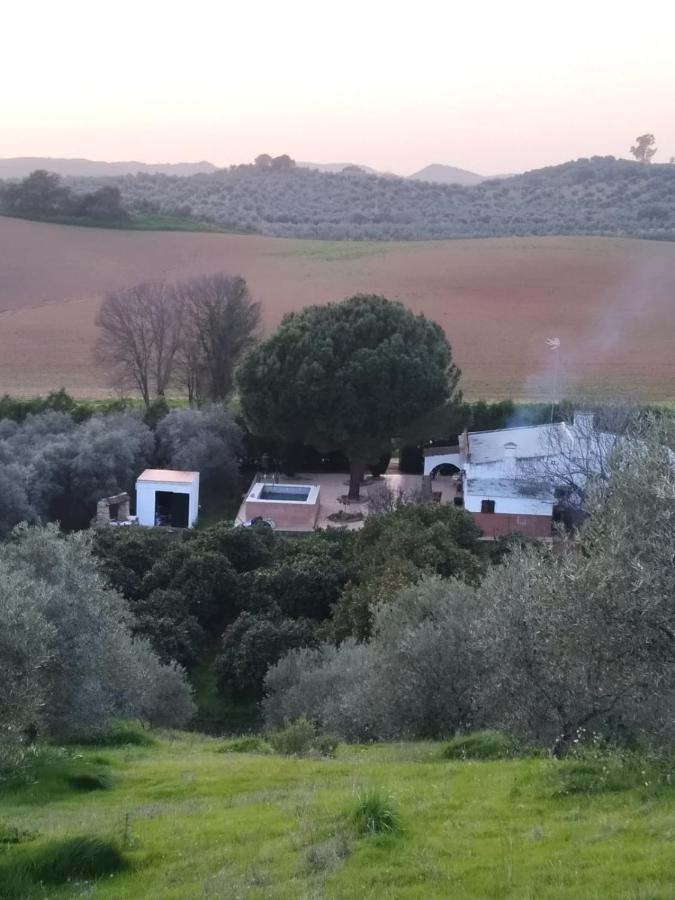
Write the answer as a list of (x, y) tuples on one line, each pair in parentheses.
[(487, 506)]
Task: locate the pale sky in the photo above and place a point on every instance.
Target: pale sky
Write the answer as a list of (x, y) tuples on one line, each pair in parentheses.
[(486, 85)]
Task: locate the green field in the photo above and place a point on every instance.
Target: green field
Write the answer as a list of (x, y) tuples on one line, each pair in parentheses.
[(194, 821)]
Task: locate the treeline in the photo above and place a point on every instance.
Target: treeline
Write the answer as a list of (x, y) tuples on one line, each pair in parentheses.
[(597, 196), (43, 195)]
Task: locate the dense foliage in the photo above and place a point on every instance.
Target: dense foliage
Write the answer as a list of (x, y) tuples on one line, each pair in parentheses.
[(42, 195), (68, 660), (548, 645), (55, 465), (347, 376), (601, 195)]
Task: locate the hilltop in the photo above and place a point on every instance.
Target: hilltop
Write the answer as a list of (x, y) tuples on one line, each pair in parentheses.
[(441, 174), (598, 196)]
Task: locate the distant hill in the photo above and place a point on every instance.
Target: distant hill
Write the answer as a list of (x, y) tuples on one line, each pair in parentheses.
[(336, 167), (440, 174), (597, 196), (20, 166)]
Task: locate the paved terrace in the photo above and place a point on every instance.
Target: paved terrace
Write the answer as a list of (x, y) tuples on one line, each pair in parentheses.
[(336, 484)]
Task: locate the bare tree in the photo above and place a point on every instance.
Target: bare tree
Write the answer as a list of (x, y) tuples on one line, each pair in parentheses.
[(142, 330), (576, 455), (222, 322)]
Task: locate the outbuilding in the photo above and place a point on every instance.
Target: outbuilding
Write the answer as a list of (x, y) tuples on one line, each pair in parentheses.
[(167, 497)]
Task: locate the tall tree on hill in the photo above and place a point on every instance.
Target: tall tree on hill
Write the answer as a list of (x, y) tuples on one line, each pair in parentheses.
[(644, 148), (347, 376)]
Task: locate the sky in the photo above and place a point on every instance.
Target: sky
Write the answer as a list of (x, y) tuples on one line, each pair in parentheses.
[(495, 87)]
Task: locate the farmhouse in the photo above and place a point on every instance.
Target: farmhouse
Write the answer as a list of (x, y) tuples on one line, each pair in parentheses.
[(519, 479)]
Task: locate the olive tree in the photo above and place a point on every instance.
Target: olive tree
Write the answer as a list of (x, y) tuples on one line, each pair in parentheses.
[(347, 376), (90, 669)]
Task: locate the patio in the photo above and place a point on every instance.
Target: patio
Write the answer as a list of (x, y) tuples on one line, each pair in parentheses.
[(334, 485)]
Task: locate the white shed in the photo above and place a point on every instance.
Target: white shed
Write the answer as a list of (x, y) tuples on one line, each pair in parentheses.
[(167, 497)]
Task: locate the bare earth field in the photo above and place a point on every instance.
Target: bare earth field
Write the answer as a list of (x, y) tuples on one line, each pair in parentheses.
[(610, 301)]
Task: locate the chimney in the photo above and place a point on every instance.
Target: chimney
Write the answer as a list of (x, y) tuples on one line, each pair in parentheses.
[(510, 450)]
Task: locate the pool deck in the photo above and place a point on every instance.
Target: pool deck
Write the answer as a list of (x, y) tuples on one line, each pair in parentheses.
[(336, 484)]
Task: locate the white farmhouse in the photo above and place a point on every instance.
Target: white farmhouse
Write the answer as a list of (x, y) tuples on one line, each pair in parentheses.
[(511, 479)]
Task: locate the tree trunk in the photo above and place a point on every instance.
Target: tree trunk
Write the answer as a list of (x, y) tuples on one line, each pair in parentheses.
[(356, 469)]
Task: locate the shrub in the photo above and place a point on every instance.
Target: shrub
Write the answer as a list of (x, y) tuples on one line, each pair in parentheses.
[(296, 739), (591, 771), (122, 734), (253, 643), (326, 744), (11, 834), (251, 743), (73, 858), (375, 813), (329, 854), (480, 745), (90, 781)]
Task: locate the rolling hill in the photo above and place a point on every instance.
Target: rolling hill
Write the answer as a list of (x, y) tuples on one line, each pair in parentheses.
[(20, 166), (610, 301), (599, 196), (440, 174)]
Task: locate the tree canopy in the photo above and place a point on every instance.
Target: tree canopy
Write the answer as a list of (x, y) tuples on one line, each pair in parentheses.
[(347, 376)]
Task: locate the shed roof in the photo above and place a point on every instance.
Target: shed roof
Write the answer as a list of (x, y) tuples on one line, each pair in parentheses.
[(168, 476)]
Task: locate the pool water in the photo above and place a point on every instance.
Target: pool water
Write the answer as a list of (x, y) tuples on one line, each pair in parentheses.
[(284, 492)]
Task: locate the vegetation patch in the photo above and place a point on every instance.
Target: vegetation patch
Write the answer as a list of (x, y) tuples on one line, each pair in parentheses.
[(121, 734), (59, 862), (376, 813), (605, 772), (481, 745), (90, 781), (250, 743), (300, 738), (11, 834)]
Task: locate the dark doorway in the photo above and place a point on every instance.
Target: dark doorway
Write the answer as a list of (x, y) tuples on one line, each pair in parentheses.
[(172, 509)]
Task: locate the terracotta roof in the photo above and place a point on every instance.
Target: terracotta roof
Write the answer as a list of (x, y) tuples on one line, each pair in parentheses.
[(172, 476)]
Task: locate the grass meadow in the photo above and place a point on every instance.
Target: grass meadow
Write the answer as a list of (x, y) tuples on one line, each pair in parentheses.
[(187, 816)]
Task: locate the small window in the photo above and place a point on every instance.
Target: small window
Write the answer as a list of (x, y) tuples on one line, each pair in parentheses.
[(487, 506)]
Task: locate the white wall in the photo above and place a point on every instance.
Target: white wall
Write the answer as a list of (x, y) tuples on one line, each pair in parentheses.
[(452, 459), (145, 499)]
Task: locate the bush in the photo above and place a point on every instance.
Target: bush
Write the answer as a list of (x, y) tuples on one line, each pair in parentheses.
[(90, 781), (121, 734), (75, 858), (375, 813), (11, 834), (592, 771), (251, 743), (296, 739), (480, 745), (252, 644)]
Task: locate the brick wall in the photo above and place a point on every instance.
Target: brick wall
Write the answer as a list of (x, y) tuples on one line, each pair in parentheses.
[(501, 524)]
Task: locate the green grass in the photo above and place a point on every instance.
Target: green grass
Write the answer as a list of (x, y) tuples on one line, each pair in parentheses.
[(192, 821), (135, 222)]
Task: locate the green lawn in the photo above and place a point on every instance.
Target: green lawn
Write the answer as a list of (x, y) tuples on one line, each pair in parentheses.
[(197, 822)]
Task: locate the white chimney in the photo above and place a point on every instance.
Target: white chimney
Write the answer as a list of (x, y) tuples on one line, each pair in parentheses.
[(510, 450)]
